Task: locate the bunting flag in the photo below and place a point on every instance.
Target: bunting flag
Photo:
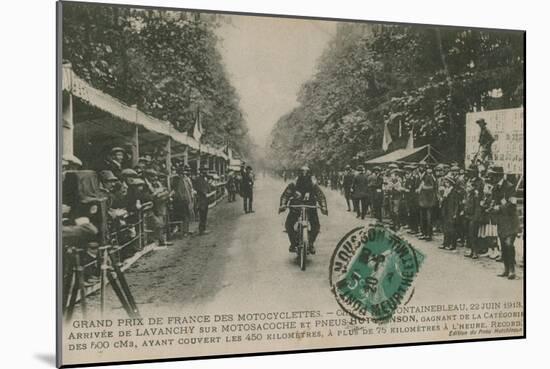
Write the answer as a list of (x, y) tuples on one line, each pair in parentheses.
[(410, 142), (400, 129), (197, 130), (226, 146), (227, 149), (386, 140)]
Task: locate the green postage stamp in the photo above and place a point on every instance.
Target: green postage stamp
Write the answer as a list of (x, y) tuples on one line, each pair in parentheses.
[(372, 272)]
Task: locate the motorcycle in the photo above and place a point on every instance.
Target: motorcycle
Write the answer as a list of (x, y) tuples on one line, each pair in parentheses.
[(303, 226)]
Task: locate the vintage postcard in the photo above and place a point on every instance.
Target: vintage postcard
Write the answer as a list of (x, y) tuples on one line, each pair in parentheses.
[(236, 184)]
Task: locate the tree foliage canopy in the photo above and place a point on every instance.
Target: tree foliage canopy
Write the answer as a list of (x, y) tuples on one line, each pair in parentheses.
[(165, 62), (421, 78)]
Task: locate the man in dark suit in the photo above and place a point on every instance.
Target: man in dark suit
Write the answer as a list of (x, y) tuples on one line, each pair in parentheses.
[(375, 184), (231, 187), (507, 219), (411, 198), (183, 199), (359, 192), (203, 189), (472, 211), (450, 201), (305, 191), (115, 161), (247, 188), (347, 182), (427, 199)]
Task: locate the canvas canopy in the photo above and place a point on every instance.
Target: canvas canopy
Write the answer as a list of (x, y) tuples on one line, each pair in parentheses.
[(422, 154), (130, 114)]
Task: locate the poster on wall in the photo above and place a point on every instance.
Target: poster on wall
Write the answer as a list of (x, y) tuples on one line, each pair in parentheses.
[(507, 128)]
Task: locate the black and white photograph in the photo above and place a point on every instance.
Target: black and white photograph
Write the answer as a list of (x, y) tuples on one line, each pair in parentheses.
[(235, 183)]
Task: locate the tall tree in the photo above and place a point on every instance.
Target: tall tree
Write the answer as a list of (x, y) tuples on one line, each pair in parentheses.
[(166, 62), (418, 78)]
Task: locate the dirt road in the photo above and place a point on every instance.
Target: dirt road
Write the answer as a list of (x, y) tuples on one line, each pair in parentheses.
[(244, 264)]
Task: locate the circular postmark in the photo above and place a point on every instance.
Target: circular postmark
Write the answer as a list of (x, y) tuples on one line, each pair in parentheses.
[(372, 271)]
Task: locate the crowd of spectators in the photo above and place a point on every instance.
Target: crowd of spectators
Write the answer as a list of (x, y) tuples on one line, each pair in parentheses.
[(475, 207), (130, 206)]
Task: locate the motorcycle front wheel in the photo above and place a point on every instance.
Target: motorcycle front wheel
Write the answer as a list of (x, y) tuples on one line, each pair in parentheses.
[(303, 250)]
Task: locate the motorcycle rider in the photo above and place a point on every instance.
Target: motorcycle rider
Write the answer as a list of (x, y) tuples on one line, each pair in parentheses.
[(304, 191)]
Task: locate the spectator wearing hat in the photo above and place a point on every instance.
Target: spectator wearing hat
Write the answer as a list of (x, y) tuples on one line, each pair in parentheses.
[(202, 187), (440, 172), (150, 176), (116, 193), (410, 184), (183, 200), (359, 190), (143, 163), (334, 180), (242, 168), (138, 195), (346, 184), (375, 184), (486, 140), (107, 183), (240, 177), (115, 161), (231, 186), (487, 228), (473, 192), (247, 189), (458, 175), (507, 219), (128, 178), (137, 198), (454, 173), (356, 206), (385, 190), (321, 178), (394, 190), (449, 212), (127, 175), (111, 189), (158, 219), (427, 199)]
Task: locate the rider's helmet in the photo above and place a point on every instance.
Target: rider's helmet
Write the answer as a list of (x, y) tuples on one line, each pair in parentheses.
[(305, 168)]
